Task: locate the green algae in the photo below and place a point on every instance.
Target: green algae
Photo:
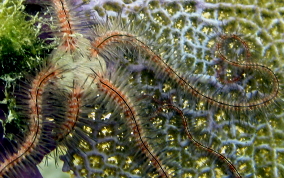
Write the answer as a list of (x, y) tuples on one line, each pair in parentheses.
[(19, 42)]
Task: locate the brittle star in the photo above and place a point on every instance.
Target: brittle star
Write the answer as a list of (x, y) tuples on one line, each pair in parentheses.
[(59, 98)]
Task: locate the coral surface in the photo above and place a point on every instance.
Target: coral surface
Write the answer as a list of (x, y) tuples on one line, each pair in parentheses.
[(162, 88)]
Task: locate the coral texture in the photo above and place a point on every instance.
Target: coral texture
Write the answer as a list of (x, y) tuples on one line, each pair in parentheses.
[(189, 32), (156, 89)]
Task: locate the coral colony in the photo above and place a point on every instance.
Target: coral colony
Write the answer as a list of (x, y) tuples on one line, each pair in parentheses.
[(119, 98)]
